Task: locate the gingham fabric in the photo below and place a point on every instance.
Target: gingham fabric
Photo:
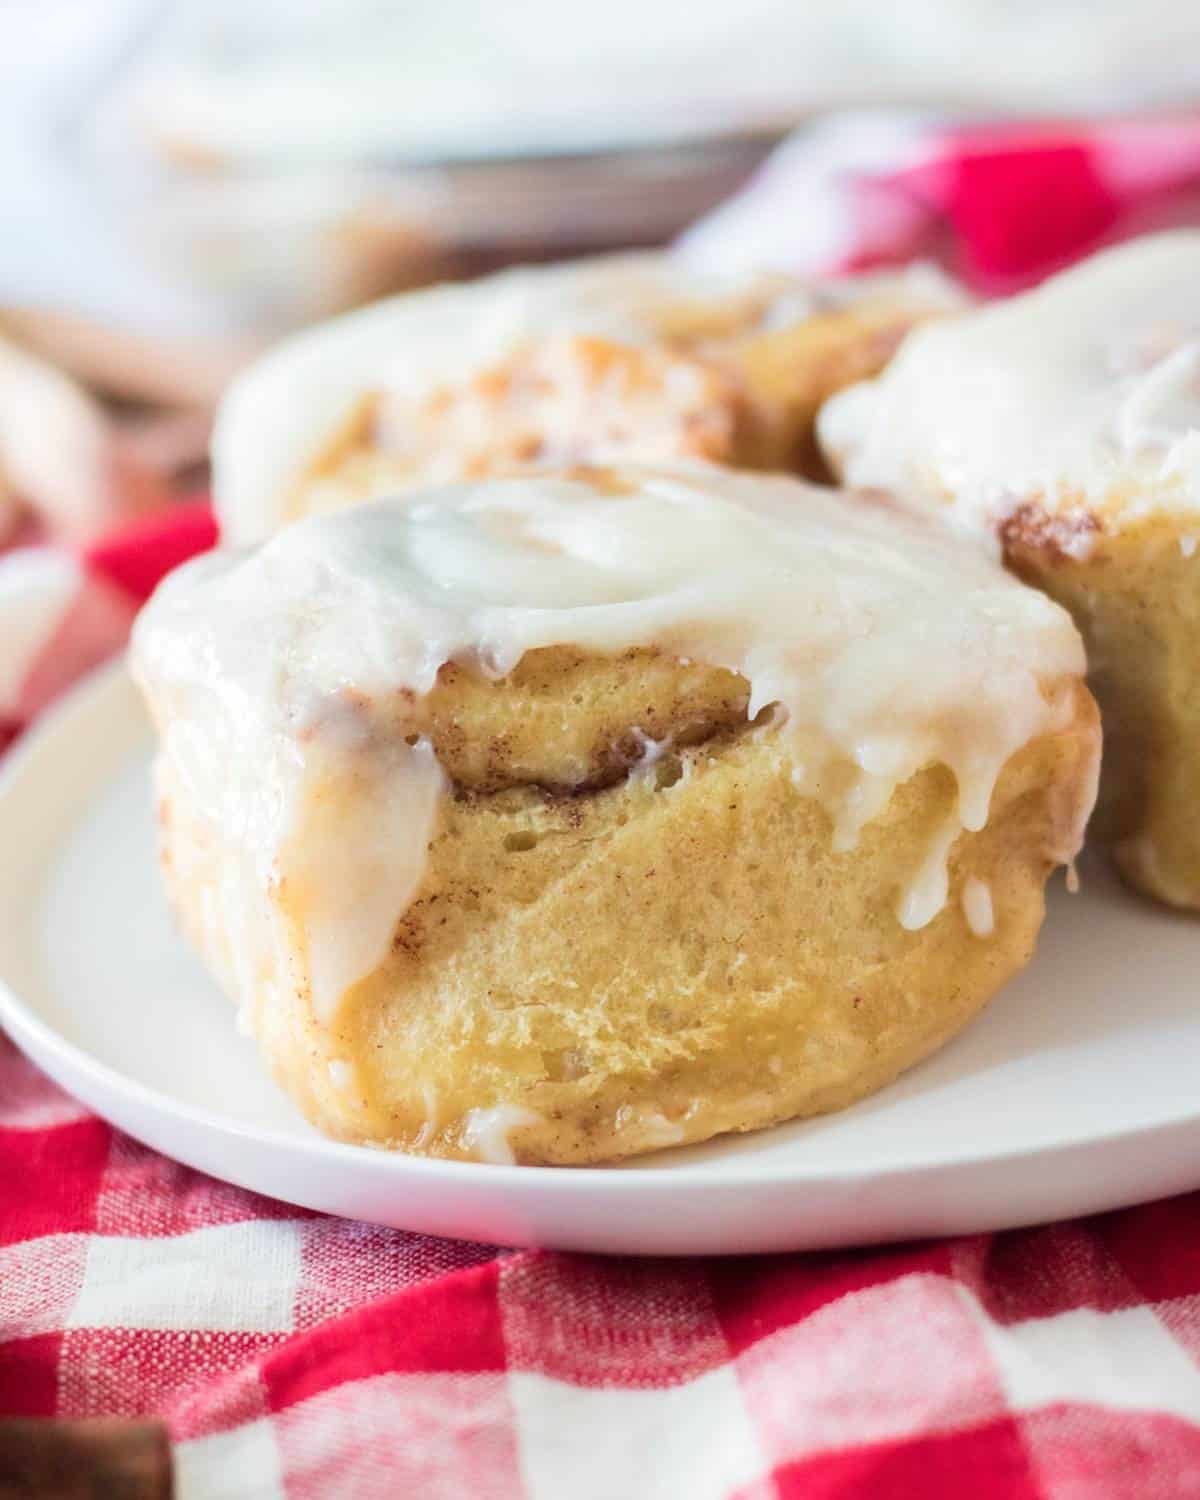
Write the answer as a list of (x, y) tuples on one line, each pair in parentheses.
[(999, 205), (299, 1356), (294, 1355)]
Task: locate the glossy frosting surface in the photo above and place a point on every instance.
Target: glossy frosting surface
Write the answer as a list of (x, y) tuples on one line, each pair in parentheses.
[(1083, 394), (888, 643)]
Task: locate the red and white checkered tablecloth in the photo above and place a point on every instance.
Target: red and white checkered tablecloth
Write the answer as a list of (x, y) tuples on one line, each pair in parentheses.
[(295, 1355), (300, 1356)]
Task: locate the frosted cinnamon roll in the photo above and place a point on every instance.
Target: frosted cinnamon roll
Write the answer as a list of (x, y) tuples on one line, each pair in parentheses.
[(1063, 427), (623, 358), (554, 820)]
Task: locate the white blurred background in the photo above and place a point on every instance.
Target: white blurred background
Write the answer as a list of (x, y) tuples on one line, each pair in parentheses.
[(183, 179)]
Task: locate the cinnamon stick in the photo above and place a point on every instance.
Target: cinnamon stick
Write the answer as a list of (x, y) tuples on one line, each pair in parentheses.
[(98, 1460)]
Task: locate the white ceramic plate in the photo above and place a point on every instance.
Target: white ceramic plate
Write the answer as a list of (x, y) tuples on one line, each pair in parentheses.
[(1078, 1090)]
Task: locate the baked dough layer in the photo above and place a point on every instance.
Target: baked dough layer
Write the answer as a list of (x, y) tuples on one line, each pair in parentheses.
[(1134, 594), (618, 359), (712, 390), (568, 721), (589, 975)]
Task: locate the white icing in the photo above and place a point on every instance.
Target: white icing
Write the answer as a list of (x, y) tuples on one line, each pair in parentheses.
[(433, 1112), (654, 1129), (888, 643), (1187, 544), (977, 906), (281, 414), (652, 752), (926, 892), (1085, 391), (486, 1131)]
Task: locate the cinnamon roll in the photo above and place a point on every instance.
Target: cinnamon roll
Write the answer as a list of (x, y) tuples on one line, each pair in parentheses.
[(1062, 428), (557, 819), (615, 359)]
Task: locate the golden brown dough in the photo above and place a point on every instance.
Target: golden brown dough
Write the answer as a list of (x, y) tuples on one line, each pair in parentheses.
[(618, 359), (742, 397), (1135, 598), (662, 959)]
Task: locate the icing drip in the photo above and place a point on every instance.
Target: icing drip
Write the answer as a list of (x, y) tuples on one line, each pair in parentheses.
[(977, 906), (653, 1127), (886, 644), (926, 893), (486, 1131)]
